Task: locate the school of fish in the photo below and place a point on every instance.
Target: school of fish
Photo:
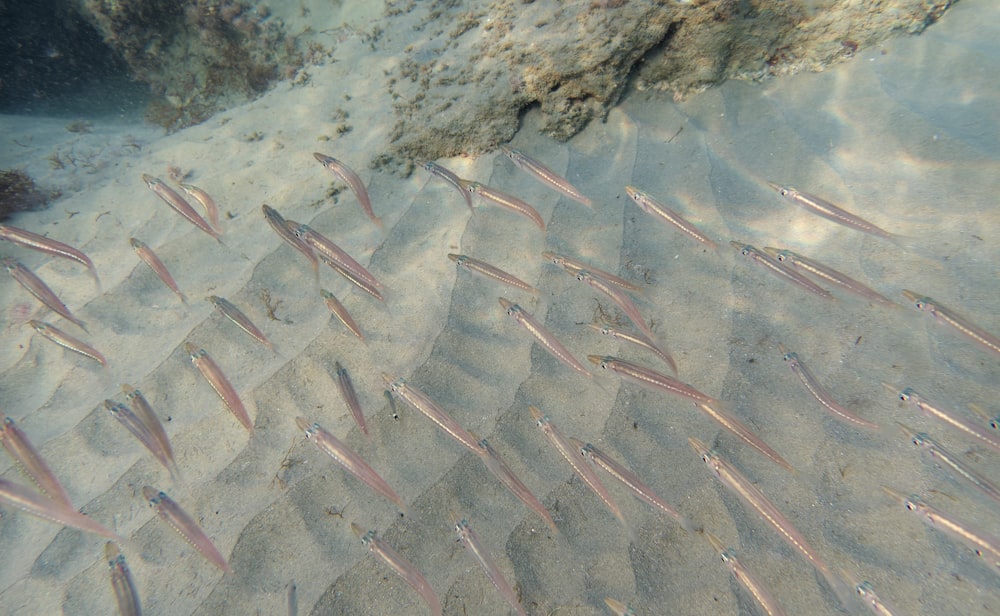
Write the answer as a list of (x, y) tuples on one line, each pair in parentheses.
[(46, 498)]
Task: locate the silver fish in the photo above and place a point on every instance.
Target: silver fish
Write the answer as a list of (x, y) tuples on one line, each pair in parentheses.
[(34, 285), (353, 181)]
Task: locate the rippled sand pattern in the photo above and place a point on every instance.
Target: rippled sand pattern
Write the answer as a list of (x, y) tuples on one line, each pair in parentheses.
[(905, 137)]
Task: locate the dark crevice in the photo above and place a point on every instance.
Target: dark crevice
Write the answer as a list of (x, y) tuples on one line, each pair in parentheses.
[(656, 50)]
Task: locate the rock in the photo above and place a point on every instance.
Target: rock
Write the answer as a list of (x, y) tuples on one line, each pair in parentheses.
[(482, 64), (199, 59), (19, 193), (477, 65)]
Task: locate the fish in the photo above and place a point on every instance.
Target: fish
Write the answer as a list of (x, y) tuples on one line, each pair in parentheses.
[(149, 419), (638, 340), (472, 543), (618, 297), (353, 182), (649, 378), (182, 522), (234, 314), (350, 396), (34, 285), (573, 266), (545, 175), (32, 502), (878, 606), (485, 269), (126, 595), (631, 481), (449, 177), (49, 246), (576, 460), (66, 341), (974, 430), (423, 403), (779, 270), (341, 313), (280, 227), (351, 461), (761, 594), (364, 285), (619, 608), (149, 258), (543, 336), (973, 332), (824, 208), (983, 544), (213, 374), (992, 420), (403, 568), (751, 495), (131, 421), (821, 394), (509, 202), (332, 252), (207, 202), (822, 272), (949, 460), (651, 206), (495, 464), (31, 463), (737, 427), (179, 205)]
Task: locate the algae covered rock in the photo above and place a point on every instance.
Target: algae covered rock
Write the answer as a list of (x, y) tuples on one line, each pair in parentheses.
[(19, 193), (477, 65), (198, 56)]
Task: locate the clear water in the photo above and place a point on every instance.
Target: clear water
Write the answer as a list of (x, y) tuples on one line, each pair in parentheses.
[(904, 135)]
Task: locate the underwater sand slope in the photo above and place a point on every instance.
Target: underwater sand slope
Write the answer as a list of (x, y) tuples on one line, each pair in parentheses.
[(281, 511)]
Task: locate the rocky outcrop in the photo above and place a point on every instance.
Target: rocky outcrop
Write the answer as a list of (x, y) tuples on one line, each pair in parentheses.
[(464, 71), (199, 56), (462, 86)]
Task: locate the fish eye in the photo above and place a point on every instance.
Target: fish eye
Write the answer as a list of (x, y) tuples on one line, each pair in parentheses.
[(781, 257), (920, 304), (784, 192), (745, 251)]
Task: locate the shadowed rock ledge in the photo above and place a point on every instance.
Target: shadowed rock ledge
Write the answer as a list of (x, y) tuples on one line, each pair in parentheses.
[(463, 72), (478, 66)]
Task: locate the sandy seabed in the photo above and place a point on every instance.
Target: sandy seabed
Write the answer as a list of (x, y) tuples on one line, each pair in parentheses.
[(904, 135)]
